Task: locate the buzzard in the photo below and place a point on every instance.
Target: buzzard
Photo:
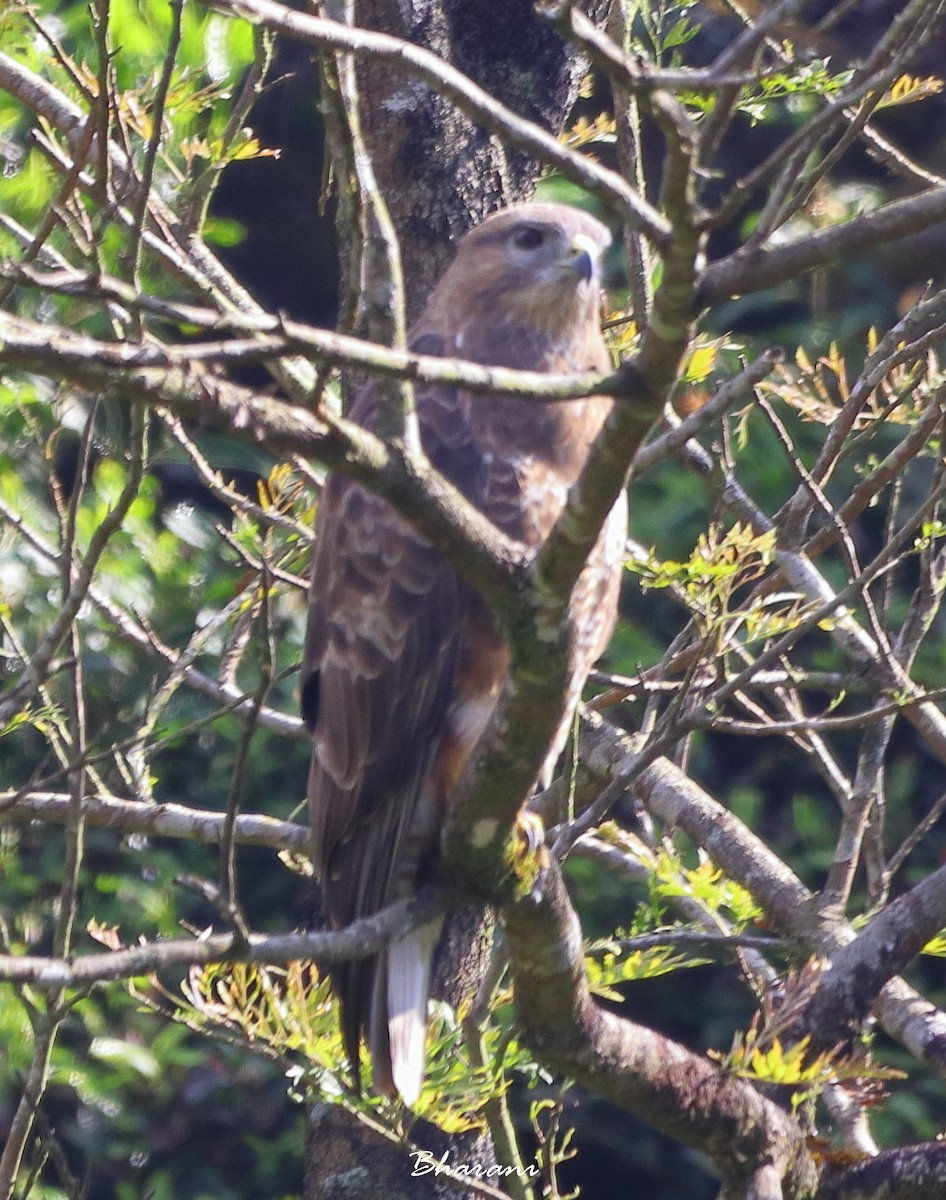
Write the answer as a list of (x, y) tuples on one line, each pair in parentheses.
[(403, 665)]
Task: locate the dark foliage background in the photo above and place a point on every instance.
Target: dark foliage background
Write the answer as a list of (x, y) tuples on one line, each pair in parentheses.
[(152, 1110)]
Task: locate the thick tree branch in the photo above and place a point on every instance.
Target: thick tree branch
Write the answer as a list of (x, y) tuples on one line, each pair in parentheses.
[(753, 1143), (907, 1173), (746, 271), (859, 970), (476, 842)]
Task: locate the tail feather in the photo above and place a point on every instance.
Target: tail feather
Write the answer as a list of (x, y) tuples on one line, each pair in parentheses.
[(408, 987)]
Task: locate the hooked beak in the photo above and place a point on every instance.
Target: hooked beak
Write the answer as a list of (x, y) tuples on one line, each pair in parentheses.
[(583, 256)]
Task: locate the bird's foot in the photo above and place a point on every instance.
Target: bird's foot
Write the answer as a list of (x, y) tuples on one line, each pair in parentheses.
[(531, 856)]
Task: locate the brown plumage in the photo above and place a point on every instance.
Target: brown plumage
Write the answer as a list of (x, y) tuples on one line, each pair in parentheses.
[(403, 666)]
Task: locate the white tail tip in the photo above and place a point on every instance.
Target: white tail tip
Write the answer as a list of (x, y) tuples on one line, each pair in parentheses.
[(408, 987)]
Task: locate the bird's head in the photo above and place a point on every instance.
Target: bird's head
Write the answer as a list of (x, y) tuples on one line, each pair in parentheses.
[(535, 266)]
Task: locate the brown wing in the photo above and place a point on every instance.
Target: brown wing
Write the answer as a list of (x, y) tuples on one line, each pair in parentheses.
[(387, 618), (380, 657)]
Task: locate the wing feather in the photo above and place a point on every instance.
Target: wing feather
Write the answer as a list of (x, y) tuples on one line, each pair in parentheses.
[(387, 618)]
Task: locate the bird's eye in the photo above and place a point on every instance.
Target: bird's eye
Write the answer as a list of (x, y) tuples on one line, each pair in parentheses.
[(530, 238)]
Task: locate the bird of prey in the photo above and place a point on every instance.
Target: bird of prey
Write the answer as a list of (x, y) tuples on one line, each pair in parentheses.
[(403, 665)]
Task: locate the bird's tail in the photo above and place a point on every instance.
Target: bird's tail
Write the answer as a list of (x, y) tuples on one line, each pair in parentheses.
[(399, 1012)]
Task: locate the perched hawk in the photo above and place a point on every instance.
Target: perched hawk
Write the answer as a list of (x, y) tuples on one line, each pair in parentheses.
[(403, 666)]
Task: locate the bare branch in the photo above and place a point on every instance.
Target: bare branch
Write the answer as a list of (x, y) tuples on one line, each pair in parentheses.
[(276, 336), (476, 549), (171, 239), (37, 667), (732, 392), (746, 271), (154, 820), (358, 940), (131, 629)]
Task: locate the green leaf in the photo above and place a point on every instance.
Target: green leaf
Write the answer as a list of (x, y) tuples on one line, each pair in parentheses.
[(936, 947)]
